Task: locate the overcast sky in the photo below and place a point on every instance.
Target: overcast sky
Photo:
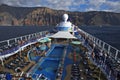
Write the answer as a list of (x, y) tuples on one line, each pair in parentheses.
[(71, 5)]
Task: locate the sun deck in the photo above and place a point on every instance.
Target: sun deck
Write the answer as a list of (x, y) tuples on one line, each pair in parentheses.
[(56, 62), (76, 56)]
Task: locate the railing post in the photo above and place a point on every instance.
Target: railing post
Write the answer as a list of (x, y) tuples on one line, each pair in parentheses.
[(103, 45), (8, 43), (31, 35), (21, 38), (26, 38), (99, 43), (40, 33), (109, 50), (35, 35), (109, 74), (93, 39), (15, 40), (116, 54)]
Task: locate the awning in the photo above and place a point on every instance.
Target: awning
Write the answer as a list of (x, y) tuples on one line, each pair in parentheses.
[(63, 34), (42, 41)]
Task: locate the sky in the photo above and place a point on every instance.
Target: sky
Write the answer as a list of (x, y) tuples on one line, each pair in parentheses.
[(69, 5)]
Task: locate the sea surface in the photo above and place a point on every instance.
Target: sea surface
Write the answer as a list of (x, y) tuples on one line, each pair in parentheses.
[(110, 35), (8, 32)]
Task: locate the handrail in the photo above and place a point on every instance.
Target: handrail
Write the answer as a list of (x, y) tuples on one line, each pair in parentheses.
[(111, 72), (21, 36), (102, 46), (94, 40), (7, 43)]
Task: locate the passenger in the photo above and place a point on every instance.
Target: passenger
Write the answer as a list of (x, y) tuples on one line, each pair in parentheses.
[(18, 69), (101, 58), (93, 56)]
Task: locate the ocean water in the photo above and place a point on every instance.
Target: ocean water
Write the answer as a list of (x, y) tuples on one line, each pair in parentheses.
[(7, 32), (110, 35)]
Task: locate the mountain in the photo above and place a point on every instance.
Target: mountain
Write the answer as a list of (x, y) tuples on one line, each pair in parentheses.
[(45, 16), (7, 19)]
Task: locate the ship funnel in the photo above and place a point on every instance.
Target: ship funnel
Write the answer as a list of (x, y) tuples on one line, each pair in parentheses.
[(65, 17)]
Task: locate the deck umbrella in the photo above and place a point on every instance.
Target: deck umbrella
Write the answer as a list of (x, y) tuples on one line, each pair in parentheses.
[(76, 42), (42, 41)]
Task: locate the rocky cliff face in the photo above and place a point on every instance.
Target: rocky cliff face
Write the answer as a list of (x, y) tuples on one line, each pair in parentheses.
[(45, 16), (8, 20)]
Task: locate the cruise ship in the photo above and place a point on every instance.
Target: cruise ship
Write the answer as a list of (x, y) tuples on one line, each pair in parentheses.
[(65, 53)]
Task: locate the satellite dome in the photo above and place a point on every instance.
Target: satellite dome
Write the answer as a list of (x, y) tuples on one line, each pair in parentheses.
[(65, 17)]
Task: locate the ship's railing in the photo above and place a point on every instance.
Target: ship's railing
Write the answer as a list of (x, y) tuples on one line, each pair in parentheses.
[(14, 44), (22, 76), (112, 51), (111, 63)]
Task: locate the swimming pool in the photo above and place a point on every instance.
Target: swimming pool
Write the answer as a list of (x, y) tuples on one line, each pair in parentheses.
[(49, 65)]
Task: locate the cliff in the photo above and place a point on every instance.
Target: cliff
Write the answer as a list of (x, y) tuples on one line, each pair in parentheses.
[(46, 16)]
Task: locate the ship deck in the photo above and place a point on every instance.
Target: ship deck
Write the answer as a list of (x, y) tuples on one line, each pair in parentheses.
[(57, 63), (60, 61)]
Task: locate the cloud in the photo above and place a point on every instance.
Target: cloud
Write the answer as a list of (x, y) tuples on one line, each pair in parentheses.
[(114, 6), (11, 3), (96, 3), (57, 4), (104, 5), (90, 9), (21, 3), (71, 5)]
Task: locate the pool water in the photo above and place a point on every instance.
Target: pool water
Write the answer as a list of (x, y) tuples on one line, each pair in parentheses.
[(57, 52), (49, 65)]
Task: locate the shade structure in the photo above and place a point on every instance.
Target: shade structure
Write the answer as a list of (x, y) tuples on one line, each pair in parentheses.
[(76, 42), (47, 39), (42, 41), (63, 34)]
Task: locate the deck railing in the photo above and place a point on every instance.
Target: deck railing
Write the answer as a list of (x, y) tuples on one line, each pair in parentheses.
[(111, 72), (11, 45), (112, 51)]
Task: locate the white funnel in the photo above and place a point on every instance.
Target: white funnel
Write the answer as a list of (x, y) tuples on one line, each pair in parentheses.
[(65, 17)]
